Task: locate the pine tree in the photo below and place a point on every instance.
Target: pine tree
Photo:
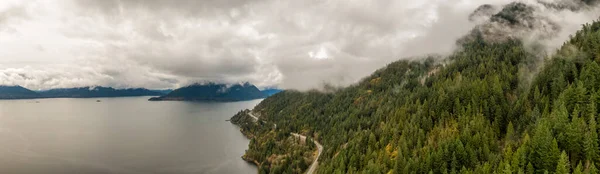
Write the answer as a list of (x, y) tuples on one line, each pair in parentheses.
[(553, 154), (592, 169), (560, 120), (574, 95), (544, 153), (510, 131), (578, 169), (530, 169), (558, 84), (399, 164), (562, 167), (590, 143), (507, 169), (591, 76), (575, 135)]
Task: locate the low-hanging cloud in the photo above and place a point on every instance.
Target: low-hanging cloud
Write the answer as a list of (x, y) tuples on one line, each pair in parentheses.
[(541, 23), (283, 43)]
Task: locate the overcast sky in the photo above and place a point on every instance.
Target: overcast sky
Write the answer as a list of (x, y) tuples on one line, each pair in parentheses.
[(292, 44)]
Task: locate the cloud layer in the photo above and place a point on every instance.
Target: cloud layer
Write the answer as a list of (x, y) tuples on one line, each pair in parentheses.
[(168, 44)]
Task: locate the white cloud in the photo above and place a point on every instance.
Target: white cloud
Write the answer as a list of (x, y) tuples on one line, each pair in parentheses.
[(168, 44)]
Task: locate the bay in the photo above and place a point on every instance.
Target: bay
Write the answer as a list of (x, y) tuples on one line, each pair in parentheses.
[(120, 135)]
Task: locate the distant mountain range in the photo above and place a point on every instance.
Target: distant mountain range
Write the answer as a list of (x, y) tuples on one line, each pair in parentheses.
[(216, 92), (91, 92), (18, 92), (196, 92)]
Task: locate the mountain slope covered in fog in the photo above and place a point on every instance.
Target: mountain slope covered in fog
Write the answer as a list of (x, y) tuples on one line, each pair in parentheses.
[(493, 106)]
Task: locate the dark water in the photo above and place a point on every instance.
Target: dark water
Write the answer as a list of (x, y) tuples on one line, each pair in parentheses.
[(120, 135)]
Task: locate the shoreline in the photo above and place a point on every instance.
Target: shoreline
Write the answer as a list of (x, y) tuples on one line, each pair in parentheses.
[(319, 148)]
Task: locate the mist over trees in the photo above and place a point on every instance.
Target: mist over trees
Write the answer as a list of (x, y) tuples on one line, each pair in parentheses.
[(490, 107)]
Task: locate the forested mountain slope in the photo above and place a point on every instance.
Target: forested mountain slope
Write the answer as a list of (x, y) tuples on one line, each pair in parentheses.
[(484, 109), (214, 92)]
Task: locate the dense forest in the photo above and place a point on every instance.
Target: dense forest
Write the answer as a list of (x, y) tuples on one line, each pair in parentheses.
[(490, 107), (274, 151)]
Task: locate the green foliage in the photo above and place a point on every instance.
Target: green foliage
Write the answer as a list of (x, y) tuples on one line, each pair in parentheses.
[(591, 169), (274, 151), (590, 143), (562, 167), (545, 152), (475, 112), (578, 169)]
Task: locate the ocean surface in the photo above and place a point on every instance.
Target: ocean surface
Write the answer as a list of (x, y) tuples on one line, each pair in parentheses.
[(120, 135)]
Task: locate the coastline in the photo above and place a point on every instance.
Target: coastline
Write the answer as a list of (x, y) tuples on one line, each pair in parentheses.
[(243, 157), (246, 116)]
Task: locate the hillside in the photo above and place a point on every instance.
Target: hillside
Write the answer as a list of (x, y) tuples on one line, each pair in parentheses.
[(271, 91), (213, 92), (484, 109), (17, 92), (165, 91), (90, 92)]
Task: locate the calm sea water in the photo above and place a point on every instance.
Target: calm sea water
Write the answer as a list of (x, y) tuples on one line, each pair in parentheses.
[(120, 135)]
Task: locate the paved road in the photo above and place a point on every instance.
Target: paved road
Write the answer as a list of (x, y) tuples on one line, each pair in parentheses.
[(252, 115), (315, 163)]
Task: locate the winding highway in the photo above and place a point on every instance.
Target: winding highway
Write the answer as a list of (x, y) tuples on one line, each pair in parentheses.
[(315, 163), (313, 166)]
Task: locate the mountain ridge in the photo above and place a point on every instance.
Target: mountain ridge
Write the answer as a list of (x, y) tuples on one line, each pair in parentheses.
[(96, 91), (213, 92), (19, 92)]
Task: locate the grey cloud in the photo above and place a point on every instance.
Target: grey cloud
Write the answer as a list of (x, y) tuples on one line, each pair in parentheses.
[(12, 14), (544, 24), (285, 43), (483, 13), (189, 8)]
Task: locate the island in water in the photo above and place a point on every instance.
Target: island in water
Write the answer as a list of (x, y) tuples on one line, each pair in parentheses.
[(216, 92)]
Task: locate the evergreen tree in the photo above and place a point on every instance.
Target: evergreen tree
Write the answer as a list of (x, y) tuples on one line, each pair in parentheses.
[(590, 75), (510, 131), (529, 169), (592, 169), (462, 115), (590, 143), (545, 152), (399, 165), (575, 135), (507, 169), (578, 169), (562, 167)]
